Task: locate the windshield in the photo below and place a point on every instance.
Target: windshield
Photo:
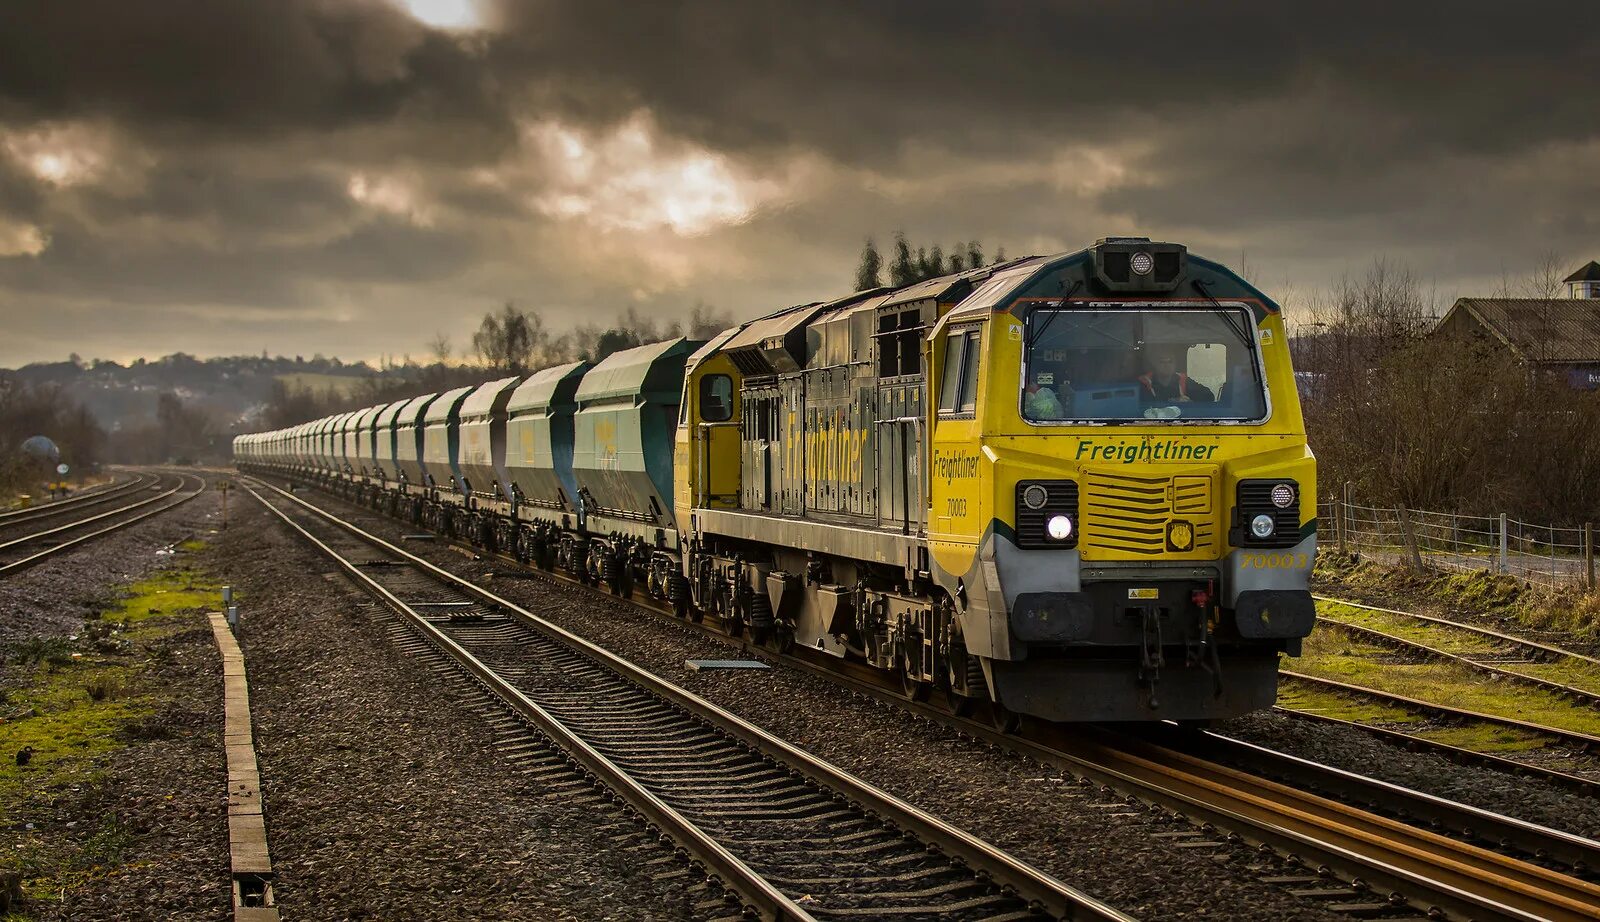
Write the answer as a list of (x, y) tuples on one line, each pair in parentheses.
[(1141, 364)]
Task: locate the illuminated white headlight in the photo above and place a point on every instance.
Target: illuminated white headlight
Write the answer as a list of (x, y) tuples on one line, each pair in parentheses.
[(1142, 263), (1282, 495), (1261, 526), (1059, 527)]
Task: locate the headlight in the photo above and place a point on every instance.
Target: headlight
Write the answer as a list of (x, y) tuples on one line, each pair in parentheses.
[(1282, 495), (1261, 526), (1059, 527), (1035, 496)]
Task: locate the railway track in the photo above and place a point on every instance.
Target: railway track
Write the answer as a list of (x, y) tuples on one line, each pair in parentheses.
[(21, 552), (124, 486), (1581, 742), (1577, 784), (793, 836), (1493, 661), (1384, 861)]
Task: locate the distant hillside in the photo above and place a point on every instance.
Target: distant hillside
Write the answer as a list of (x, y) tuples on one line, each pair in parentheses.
[(233, 391)]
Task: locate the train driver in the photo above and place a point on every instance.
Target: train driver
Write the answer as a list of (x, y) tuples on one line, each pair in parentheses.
[(1163, 382)]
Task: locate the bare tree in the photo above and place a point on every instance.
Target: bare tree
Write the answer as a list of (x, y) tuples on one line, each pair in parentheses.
[(441, 348), (508, 340)]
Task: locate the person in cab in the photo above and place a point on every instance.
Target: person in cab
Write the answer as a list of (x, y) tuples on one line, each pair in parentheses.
[(1162, 382), (1042, 399)]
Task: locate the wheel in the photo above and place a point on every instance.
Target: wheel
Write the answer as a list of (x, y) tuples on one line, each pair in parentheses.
[(1003, 718), (913, 688), (781, 640), (967, 690)]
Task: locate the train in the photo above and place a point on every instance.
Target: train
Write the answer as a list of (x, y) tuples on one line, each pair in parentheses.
[(1073, 487)]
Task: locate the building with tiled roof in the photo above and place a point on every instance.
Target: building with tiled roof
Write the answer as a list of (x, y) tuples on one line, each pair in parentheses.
[(1560, 335)]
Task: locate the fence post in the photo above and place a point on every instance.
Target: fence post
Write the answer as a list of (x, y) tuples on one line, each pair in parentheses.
[(1503, 567), (1338, 527), (1345, 516), (1410, 538), (1588, 552)]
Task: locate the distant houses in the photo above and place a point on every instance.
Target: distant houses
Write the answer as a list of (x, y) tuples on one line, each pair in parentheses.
[(1560, 336)]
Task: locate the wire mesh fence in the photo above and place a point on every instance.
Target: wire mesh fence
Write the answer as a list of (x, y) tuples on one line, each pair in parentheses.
[(1547, 555)]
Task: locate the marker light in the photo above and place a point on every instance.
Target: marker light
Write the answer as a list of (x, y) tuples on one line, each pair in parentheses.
[(1282, 495), (1142, 263), (1035, 496), (1059, 527), (1261, 526)]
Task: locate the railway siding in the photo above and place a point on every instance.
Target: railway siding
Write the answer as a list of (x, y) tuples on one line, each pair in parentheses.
[(1501, 651)]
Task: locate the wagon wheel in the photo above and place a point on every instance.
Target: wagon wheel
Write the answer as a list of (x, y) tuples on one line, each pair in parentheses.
[(1003, 718), (782, 639), (913, 688), (967, 689)]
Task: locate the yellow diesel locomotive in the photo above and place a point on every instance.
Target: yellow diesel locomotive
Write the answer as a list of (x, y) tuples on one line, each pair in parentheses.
[(1076, 487)]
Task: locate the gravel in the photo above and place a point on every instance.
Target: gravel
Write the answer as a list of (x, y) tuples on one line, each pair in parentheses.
[(55, 597), (385, 796), (1101, 842), (155, 817), (158, 816)]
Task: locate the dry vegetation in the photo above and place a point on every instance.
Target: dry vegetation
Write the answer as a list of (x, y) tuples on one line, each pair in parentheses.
[(1440, 424)]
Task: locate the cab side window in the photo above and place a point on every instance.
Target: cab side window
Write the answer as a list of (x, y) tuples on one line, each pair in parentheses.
[(716, 398), (958, 388), (969, 374), (950, 381)]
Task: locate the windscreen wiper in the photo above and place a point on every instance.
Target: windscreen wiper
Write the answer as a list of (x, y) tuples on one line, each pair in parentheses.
[(1039, 333), (1233, 323)]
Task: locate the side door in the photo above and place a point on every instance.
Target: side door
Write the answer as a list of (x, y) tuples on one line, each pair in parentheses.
[(717, 478)]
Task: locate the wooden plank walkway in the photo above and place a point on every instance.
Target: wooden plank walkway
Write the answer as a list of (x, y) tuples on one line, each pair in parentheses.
[(247, 827)]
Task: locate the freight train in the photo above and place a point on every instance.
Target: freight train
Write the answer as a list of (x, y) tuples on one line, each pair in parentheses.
[(1075, 487)]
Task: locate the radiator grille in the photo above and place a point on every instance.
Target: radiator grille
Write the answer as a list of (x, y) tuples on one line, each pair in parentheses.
[(1129, 516)]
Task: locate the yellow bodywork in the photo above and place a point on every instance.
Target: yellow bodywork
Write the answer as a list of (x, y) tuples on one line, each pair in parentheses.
[(1172, 482)]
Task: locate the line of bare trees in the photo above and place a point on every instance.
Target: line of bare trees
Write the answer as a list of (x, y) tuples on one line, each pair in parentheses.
[(508, 341), (1440, 423)]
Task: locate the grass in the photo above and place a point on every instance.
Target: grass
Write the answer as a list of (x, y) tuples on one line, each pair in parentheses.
[(1576, 673), (1570, 612), (78, 704), (1330, 655), (173, 590)]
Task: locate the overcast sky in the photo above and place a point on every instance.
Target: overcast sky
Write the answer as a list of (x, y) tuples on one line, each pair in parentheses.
[(352, 176)]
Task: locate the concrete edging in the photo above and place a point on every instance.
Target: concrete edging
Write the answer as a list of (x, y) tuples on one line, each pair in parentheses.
[(247, 828)]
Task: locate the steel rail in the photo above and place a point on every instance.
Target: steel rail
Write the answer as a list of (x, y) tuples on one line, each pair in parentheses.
[(1583, 741), (1031, 884), (1537, 646), (1574, 783), (100, 494), (33, 559), (79, 523), (1396, 642), (1529, 839), (1432, 871)]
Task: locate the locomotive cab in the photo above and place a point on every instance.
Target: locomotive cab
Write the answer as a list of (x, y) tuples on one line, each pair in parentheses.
[(1121, 494)]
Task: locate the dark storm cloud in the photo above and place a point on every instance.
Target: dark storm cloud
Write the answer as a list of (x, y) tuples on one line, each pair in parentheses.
[(235, 66), (300, 156), (861, 79)]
